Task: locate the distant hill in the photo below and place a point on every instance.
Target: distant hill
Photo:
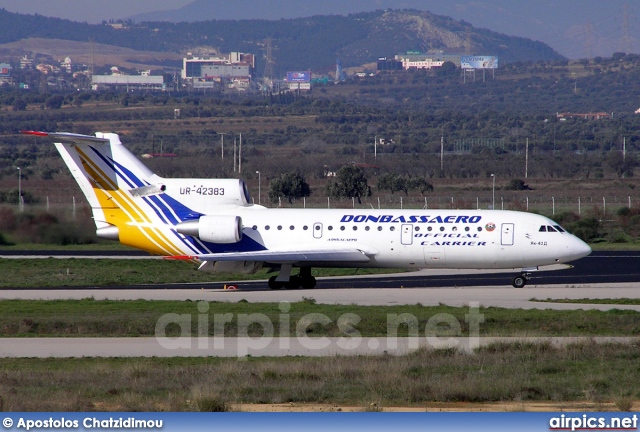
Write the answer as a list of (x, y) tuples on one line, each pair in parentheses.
[(562, 24), (303, 43)]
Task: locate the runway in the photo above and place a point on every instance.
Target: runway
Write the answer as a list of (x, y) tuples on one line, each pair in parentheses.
[(600, 276), (262, 346)]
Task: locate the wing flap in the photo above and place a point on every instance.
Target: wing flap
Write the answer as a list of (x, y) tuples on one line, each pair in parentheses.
[(280, 257)]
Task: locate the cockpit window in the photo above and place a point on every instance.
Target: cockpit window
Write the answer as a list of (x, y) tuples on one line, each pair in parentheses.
[(549, 228)]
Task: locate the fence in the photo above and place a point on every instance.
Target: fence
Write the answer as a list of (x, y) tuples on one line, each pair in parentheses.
[(600, 206)]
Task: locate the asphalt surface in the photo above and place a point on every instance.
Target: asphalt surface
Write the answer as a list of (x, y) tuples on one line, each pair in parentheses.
[(602, 275), (597, 268)]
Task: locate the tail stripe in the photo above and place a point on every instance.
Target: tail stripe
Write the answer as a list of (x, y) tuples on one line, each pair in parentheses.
[(133, 181), (162, 217), (156, 204), (127, 211), (128, 206)]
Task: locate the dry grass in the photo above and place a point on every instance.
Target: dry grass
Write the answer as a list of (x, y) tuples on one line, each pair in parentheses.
[(518, 373)]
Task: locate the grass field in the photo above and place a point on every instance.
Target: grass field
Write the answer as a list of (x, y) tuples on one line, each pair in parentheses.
[(89, 318), (517, 372), (53, 272), (616, 301)]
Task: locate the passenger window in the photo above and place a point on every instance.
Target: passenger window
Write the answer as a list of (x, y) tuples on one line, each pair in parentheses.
[(355, 228), (441, 228), (255, 227), (330, 228), (342, 228), (479, 229), (454, 229), (467, 228), (291, 227), (393, 228), (317, 227), (417, 229), (543, 228), (366, 228), (279, 227), (306, 227), (429, 228), (379, 228), (267, 227)]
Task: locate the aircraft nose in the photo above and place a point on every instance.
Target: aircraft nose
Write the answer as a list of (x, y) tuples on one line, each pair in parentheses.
[(579, 249)]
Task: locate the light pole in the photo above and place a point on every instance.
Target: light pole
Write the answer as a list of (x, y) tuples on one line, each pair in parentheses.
[(493, 192), (259, 186), (19, 188)]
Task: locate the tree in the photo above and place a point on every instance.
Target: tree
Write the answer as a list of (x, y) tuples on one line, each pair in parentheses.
[(391, 182), (421, 184), (623, 166), (19, 105), (290, 185), (350, 182), (517, 185), (54, 102), (395, 182)]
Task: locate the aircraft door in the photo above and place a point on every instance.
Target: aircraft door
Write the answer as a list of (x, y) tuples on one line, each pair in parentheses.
[(407, 234), (317, 230), (507, 234)]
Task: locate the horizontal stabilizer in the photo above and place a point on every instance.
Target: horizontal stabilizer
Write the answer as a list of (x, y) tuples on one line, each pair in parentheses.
[(143, 191), (68, 137)]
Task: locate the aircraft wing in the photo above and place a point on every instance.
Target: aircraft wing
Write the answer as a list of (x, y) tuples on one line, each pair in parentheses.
[(286, 257)]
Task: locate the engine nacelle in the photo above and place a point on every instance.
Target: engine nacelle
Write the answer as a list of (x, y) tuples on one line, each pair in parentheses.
[(215, 229)]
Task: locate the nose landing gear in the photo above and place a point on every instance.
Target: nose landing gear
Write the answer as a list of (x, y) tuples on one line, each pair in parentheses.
[(521, 280)]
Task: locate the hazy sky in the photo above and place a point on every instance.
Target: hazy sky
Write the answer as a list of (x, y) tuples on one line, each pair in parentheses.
[(92, 11), (574, 28)]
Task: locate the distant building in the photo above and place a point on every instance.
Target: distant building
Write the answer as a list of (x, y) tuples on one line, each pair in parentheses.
[(26, 63), (47, 68), (430, 60), (5, 69), (144, 82), (385, 64), (235, 65), (67, 64), (417, 60), (588, 116), (5, 73)]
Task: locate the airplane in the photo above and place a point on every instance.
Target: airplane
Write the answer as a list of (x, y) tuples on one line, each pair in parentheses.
[(214, 222)]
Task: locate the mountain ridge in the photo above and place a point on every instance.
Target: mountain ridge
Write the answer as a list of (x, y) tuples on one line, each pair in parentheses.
[(303, 43)]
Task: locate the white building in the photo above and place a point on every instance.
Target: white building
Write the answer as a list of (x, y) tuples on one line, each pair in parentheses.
[(128, 82), (235, 65)]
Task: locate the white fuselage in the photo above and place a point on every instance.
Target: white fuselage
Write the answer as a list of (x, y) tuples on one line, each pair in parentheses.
[(476, 239)]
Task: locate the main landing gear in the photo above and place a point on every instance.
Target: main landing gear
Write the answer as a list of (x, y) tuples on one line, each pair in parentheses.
[(521, 280), (287, 281)]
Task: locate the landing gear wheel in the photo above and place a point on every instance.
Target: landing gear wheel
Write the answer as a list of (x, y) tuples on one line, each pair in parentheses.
[(294, 282), (308, 282), (274, 285), (520, 281)]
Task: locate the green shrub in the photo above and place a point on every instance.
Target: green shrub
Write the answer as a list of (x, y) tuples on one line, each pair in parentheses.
[(624, 211), (587, 229)]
